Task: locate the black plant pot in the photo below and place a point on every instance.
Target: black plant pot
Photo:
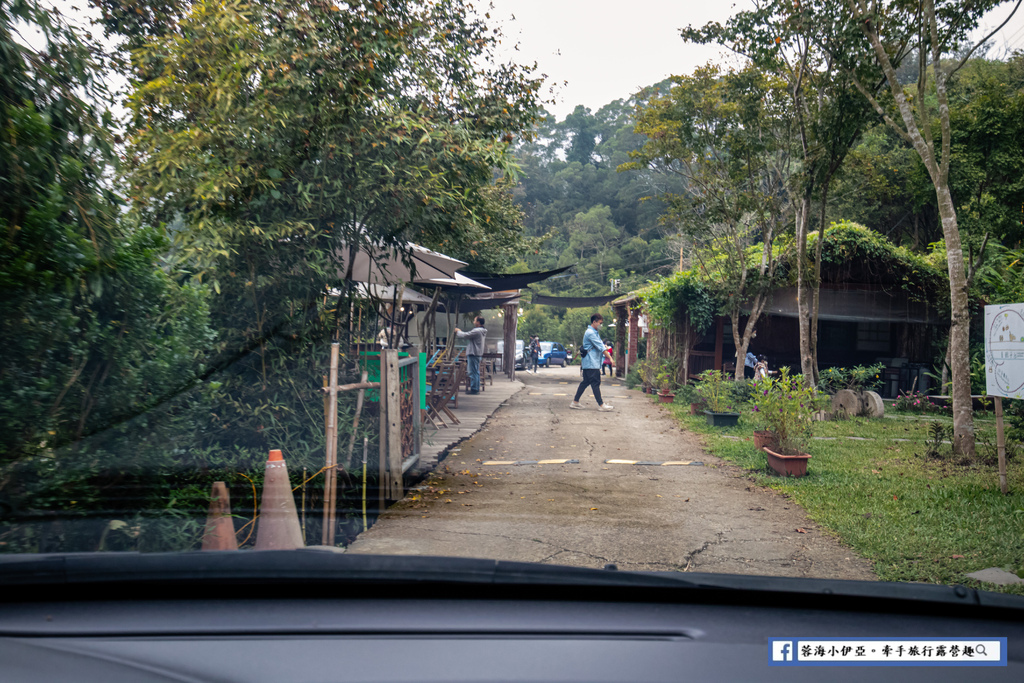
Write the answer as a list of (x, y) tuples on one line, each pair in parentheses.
[(722, 419)]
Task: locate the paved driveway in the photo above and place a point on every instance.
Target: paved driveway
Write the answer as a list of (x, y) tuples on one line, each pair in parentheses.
[(701, 517)]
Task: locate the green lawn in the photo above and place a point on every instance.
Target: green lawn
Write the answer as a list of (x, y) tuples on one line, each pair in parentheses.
[(912, 515)]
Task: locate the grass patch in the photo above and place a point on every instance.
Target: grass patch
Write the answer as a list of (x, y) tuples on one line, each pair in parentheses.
[(912, 515)]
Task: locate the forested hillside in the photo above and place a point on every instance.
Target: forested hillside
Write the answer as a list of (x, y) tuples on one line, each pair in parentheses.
[(611, 223)]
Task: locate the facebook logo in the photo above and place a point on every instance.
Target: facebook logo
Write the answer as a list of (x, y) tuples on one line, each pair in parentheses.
[(782, 650)]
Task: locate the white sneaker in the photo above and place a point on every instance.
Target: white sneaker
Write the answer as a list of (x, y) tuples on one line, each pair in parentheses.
[(575, 405), (605, 407)]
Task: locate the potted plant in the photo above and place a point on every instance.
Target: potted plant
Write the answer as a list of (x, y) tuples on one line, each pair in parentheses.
[(687, 394), (666, 380), (716, 391), (785, 409), (647, 374)]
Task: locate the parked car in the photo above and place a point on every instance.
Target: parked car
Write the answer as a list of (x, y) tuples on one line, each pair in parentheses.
[(520, 358), (552, 353)]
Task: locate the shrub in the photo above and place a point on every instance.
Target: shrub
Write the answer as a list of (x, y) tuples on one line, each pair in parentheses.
[(857, 378), (716, 390), (785, 406), (916, 402)]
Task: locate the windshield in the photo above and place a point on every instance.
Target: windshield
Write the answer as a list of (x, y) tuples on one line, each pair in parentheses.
[(279, 251)]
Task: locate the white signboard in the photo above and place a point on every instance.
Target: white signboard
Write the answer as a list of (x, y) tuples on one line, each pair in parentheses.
[(1004, 350)]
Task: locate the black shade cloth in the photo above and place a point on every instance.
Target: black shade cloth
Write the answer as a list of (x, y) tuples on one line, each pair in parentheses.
[(500, 283), (574, 301)]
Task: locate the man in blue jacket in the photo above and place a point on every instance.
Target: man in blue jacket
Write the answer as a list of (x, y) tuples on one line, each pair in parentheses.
[(594, 351)]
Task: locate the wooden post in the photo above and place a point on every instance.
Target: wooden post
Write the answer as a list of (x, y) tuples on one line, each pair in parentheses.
[(330, 478), (394, 414), (1001, 444), (510, 328), (719, 339)]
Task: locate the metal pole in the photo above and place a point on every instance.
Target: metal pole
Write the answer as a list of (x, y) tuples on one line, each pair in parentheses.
[(1001, 445)]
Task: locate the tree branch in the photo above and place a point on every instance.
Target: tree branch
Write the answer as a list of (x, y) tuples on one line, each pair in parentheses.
[(985, 39)]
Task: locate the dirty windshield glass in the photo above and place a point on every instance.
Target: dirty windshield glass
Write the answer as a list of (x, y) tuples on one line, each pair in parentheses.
[(727, 289)]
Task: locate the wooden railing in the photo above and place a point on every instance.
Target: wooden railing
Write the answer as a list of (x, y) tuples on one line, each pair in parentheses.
[(701, 361)]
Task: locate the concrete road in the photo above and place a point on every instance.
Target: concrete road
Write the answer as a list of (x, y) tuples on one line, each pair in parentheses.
[(708, 518)]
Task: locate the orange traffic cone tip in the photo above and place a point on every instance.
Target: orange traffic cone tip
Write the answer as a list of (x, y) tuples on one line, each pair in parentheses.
[(275, 455)]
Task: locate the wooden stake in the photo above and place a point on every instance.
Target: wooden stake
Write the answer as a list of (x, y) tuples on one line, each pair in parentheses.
[(330, 480), (394, 412), (1001, 444)]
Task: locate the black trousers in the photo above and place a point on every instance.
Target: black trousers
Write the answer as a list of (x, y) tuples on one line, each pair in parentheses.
[(591, 378), (748, 372)]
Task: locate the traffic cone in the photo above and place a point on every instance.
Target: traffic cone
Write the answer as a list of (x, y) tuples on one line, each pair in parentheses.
[(279, 520), (220, 530)]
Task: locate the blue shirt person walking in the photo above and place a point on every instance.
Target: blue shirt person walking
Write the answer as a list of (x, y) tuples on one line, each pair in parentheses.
[(595, 351), (474, 351)]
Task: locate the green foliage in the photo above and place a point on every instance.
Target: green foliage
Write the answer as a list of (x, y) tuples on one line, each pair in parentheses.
[(854, 253), (916, 402), (666, 299), (857, 378), (716, 390), (784, 405), (665, 375)]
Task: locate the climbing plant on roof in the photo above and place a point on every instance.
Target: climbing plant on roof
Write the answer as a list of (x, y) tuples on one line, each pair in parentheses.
[(855, 253), (678, 298)]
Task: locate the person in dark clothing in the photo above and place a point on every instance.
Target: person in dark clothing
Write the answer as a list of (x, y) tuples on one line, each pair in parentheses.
[(534, 352)]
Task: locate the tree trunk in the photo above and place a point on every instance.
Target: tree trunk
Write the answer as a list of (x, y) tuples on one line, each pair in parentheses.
[(687, 344), (742, 340), (959, 329), (803, 288), (816, 284)]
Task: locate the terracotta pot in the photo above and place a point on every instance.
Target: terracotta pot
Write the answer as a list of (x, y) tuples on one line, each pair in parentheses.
[(788, 465), (694, 409), (722, 419), (765, 438), (666, 398)]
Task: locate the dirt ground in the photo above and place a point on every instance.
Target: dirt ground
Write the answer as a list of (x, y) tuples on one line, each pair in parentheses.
[(707, 517)]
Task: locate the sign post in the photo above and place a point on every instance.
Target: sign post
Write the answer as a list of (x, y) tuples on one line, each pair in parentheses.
[(1004, 366)]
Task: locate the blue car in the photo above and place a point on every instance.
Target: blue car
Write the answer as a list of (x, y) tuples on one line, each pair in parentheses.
[(552, 353)]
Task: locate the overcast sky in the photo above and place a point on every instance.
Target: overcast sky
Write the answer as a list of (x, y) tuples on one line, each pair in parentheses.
[(596, 51), (608, 49)]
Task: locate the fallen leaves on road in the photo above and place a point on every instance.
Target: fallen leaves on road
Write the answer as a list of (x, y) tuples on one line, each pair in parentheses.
[(801, 531), (593, 508)]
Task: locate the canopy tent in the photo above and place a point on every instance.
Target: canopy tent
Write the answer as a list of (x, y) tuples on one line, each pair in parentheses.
[(505, 282), (389, 293), (457, 281), (380, 265)]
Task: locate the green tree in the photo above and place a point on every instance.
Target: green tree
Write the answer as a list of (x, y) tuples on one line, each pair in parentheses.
[(96, 335), (869, 46), (829, 115), (729, 136), (277, 138)]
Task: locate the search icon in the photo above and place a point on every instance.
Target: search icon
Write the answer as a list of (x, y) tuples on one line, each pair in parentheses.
[(980, 649)]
